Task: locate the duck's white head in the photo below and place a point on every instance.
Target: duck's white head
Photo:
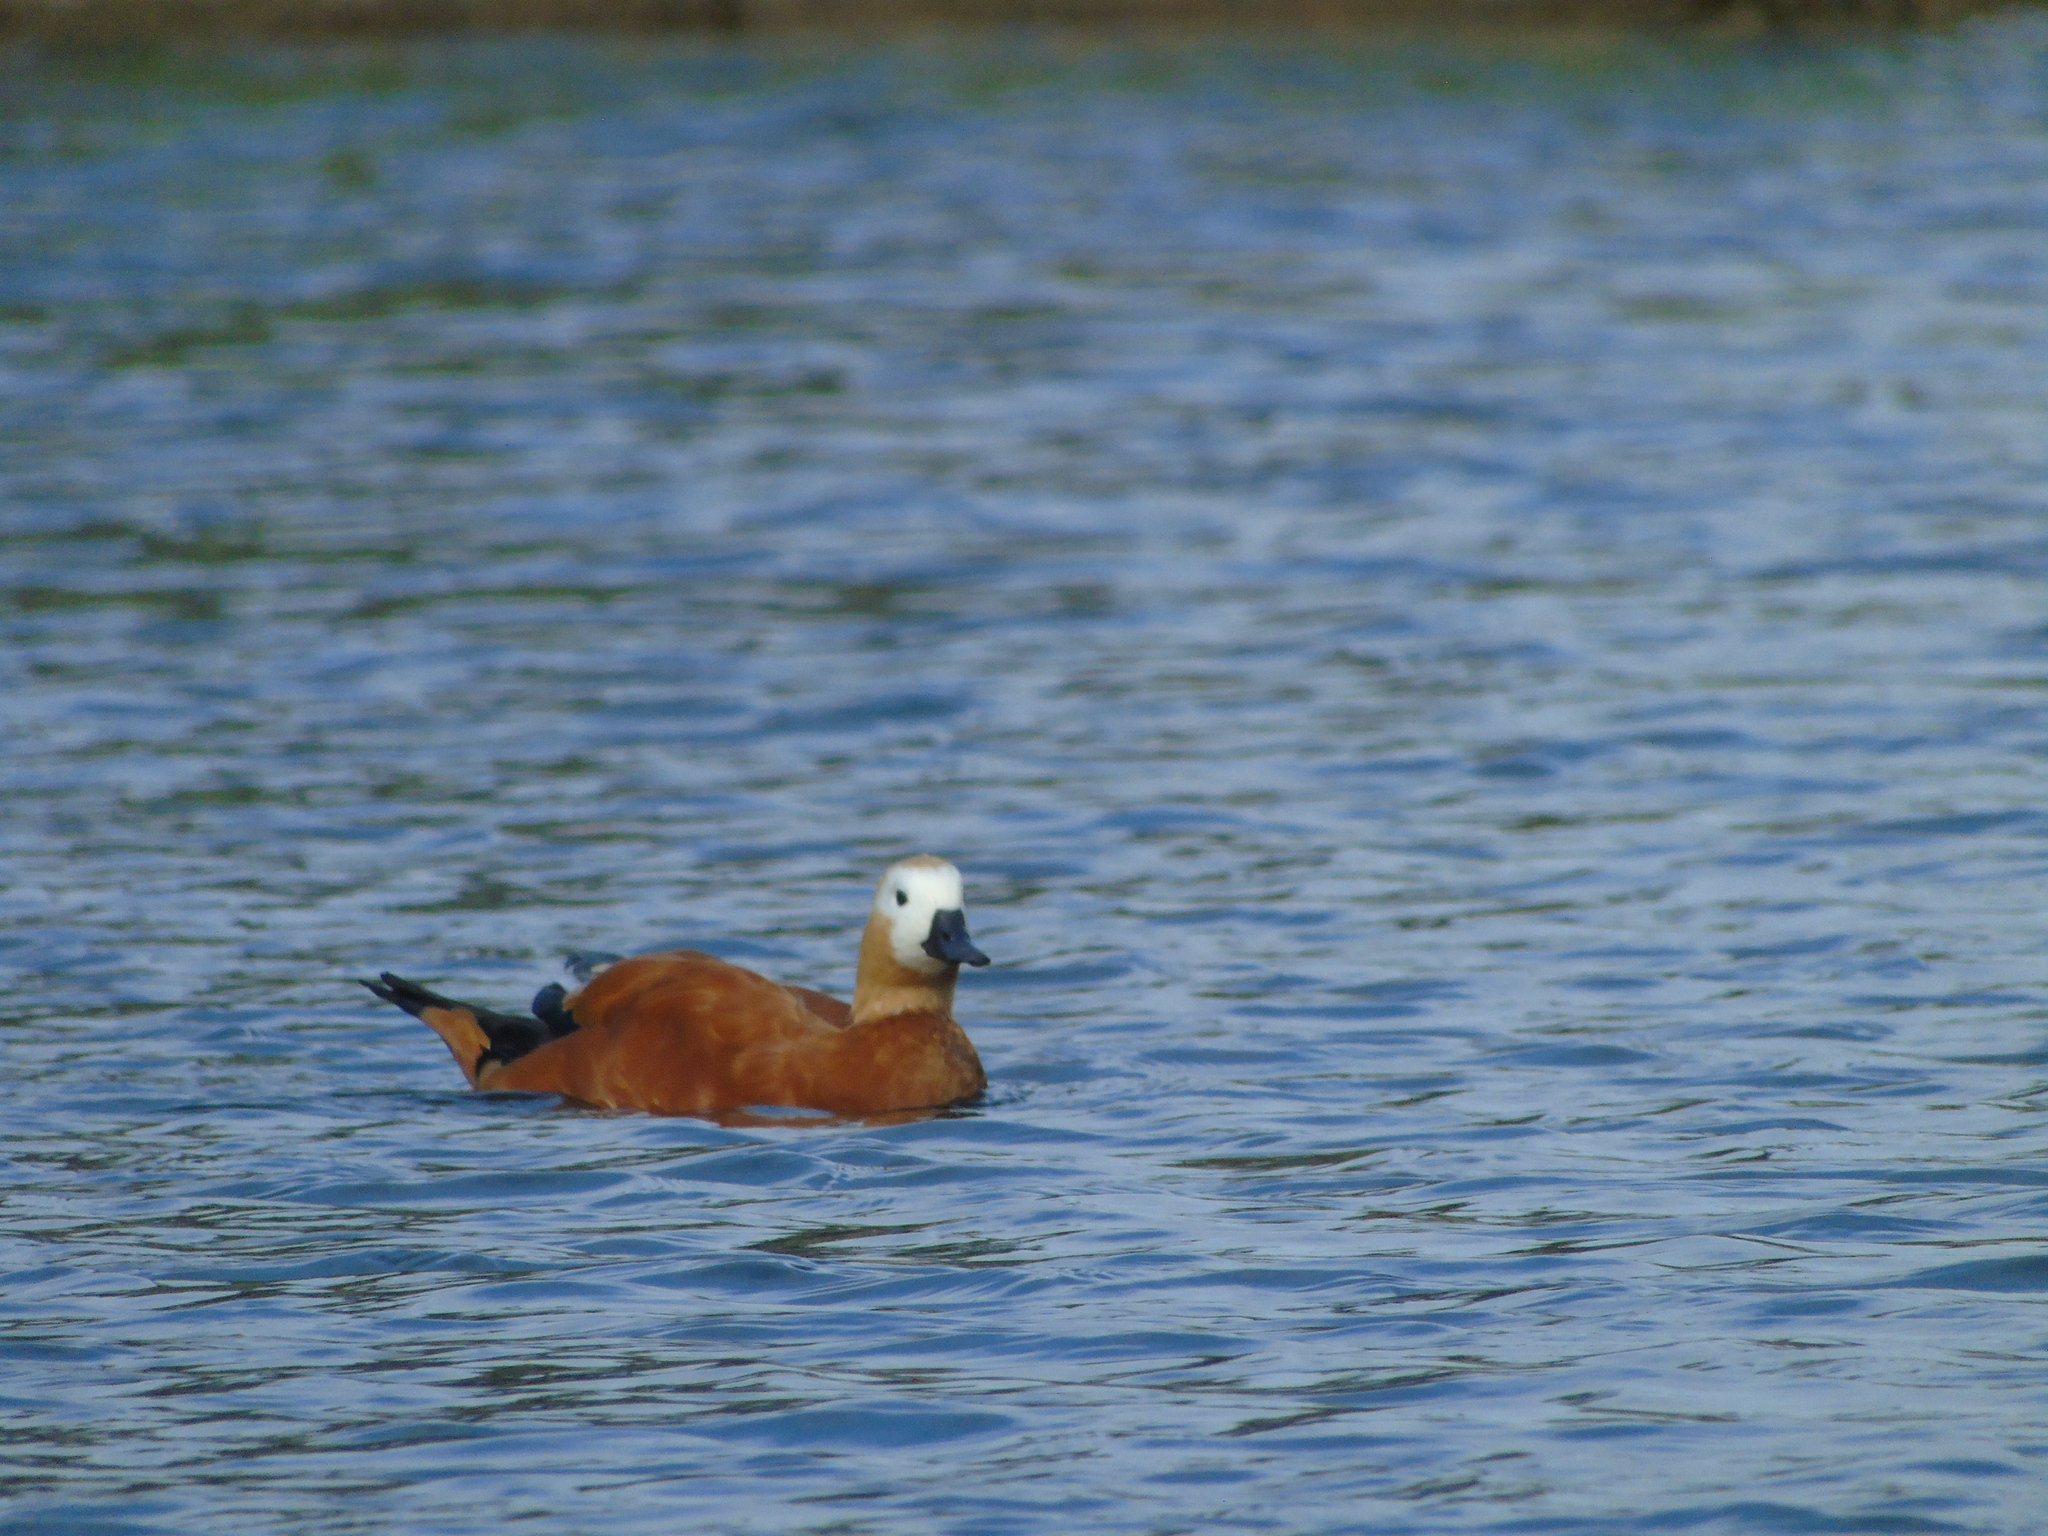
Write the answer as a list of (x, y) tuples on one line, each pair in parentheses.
[(920, 905)]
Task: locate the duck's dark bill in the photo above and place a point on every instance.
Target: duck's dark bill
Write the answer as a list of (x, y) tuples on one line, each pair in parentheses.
[(948, 940)]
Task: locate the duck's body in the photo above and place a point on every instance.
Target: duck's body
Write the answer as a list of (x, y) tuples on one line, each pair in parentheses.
[(684, 1033)]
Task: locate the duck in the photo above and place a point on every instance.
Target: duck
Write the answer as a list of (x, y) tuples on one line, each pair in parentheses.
[(681, 1032)]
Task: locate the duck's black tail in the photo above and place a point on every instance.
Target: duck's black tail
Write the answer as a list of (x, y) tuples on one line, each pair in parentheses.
[(475, 1036)]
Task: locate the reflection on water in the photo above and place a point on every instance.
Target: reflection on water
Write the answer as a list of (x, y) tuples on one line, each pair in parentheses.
[(1474, 619)]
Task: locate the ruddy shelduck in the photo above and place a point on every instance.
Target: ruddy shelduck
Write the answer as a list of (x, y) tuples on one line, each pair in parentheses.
[(683, 1033)]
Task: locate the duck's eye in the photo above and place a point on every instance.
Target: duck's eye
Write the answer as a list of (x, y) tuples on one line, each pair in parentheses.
[(902, 900)]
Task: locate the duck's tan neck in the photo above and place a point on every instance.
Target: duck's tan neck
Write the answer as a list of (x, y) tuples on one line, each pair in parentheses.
[(884, 986)]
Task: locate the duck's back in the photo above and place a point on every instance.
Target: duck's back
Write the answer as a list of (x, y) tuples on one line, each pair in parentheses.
[(681, 1033)]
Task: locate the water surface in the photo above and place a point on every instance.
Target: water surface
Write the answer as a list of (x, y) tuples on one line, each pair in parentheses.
[(1476, 618)]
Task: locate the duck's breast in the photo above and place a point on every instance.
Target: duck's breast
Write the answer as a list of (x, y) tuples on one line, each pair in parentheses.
[(917, 1060)]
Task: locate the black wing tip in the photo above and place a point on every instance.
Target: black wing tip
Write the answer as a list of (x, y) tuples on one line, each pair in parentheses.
[(510, 1036), (548, 1008), (586, 963), (409, 995)]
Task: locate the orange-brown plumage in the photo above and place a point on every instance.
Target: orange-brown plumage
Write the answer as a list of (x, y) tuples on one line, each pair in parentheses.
[(685, 1033)]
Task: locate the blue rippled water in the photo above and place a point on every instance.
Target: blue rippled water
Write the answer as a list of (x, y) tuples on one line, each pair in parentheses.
[(1475, 615)]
